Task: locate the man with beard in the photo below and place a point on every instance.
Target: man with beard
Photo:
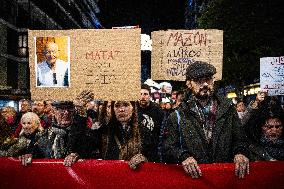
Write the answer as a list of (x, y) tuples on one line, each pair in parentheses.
[(205, 128), (150, 120), (52, 71)]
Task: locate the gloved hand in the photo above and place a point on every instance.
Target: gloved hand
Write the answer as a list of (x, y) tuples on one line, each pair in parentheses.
[(26, 159), (136, 160), (241, 165), (191, 167), (71, 159)]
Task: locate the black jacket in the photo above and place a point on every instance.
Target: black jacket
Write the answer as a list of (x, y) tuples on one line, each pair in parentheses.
[(228, 139)]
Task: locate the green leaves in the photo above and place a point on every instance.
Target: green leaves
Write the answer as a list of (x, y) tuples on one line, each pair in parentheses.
[(251, 31)]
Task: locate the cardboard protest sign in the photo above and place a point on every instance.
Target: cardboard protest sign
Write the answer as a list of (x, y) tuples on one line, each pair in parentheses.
[(272, 75), (107, 62), (174, 50)]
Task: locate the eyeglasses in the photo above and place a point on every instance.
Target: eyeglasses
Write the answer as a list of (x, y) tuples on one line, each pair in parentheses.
[(50, 52), (273, 126), (200, 81)]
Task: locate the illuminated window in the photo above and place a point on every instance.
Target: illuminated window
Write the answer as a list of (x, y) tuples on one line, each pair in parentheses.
[(23, 45)]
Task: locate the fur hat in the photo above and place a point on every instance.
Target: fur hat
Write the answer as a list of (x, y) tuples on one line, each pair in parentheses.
[(199, 69)]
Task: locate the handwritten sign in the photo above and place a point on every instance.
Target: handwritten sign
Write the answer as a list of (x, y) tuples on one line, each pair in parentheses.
[(174, 50), (105, 61), (272, 75)]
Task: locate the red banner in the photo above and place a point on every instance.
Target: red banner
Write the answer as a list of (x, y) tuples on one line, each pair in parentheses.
[(116, 174)]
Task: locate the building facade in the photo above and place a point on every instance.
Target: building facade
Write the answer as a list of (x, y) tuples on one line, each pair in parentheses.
[(16, 17)]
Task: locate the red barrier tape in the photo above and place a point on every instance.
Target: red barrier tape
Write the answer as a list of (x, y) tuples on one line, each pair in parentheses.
[(116, 174)]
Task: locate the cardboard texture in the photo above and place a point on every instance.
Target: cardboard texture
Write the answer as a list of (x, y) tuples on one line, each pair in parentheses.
[(105, 61), (174, 50)]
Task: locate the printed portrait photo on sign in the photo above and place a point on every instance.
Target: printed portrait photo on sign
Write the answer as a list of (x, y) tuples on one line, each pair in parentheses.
[(52, 61)]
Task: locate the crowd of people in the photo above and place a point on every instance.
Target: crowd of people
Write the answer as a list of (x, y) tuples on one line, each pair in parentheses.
[(201, 127)]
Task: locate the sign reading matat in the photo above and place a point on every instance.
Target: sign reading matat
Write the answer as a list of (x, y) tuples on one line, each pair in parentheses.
[(272, 75), (174, 50), (107, 62)]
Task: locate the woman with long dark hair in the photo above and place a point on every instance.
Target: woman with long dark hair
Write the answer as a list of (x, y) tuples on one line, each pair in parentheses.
[(121, 138), (117, 139)]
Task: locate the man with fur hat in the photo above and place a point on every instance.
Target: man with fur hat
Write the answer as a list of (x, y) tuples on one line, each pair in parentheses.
[(205, 128)]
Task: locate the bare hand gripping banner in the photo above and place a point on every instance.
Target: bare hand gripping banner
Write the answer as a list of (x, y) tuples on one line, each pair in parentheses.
[(174, 50), (63, 63)]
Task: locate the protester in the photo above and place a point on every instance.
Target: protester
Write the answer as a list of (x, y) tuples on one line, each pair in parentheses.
[(104, 115), (38, 107), (120, 139), (52, 71), (70, 123), (25, 106), (205, 128), (5, 130), (265, 131), (179, 99), (10, 115), (48, 110), (32, 142), (60, 128), (150, 120)]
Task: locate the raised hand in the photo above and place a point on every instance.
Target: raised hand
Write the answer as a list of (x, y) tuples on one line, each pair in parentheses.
[(81, 100)]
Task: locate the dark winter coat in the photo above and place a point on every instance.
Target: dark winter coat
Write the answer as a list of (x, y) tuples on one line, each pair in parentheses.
[(65, 140), (228, 139), (35, 144), (260, 147), (150, 122)]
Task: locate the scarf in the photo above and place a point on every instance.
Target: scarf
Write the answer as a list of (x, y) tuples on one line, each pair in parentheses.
[(207, 115), (59, 146)]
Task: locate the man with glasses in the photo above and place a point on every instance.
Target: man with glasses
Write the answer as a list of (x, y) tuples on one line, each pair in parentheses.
[(205, 128), (53, 71)]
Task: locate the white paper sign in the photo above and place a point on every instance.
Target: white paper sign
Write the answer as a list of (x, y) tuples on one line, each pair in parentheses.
[(272, 75)]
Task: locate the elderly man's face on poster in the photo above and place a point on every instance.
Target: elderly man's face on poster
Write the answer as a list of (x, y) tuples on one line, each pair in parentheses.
[(51, 52)]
